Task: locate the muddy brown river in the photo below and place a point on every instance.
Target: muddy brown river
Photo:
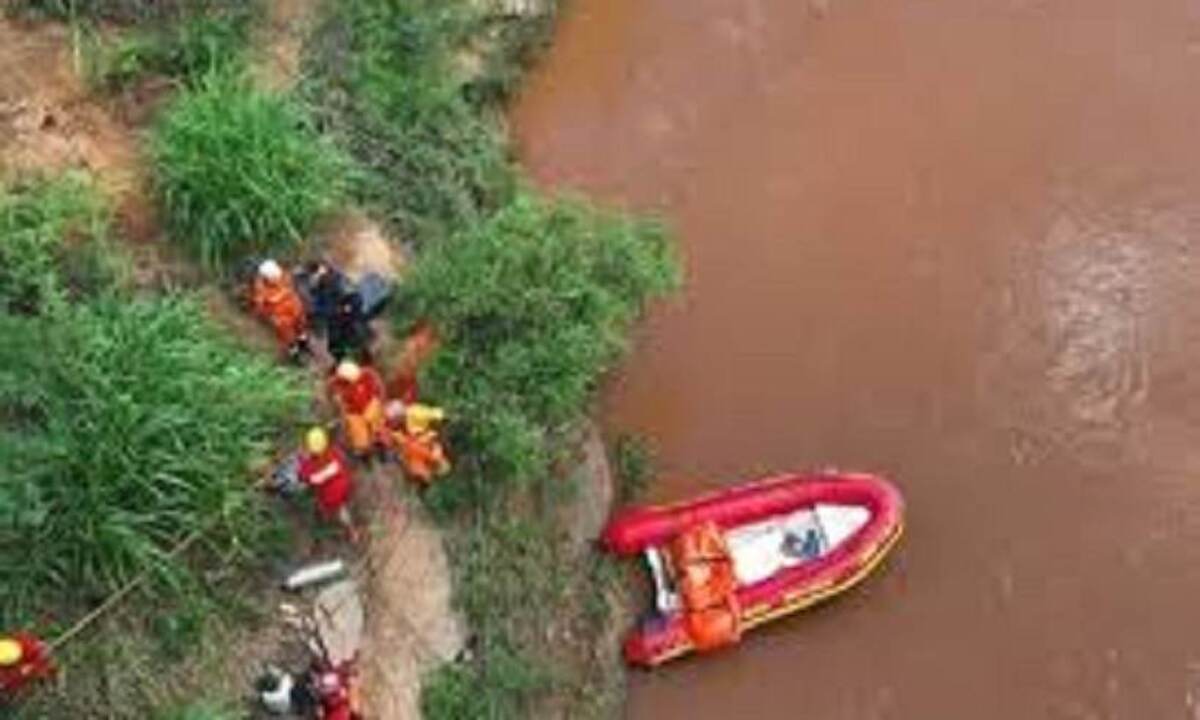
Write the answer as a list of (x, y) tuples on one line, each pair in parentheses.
[(953, 241)]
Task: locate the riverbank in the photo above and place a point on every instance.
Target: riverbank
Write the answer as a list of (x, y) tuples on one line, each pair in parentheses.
[(421, 123), (416, 93)]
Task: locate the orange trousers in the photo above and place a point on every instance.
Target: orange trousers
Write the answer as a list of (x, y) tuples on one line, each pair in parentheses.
[(366, 429)]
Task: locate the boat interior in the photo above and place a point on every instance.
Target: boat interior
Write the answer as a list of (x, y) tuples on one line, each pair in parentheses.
[(762, 549)]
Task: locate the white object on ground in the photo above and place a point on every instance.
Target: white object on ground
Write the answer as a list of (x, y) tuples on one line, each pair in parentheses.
[(278, 700), (311, 574)]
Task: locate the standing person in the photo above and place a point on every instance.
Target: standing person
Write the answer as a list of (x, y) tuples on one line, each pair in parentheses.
[(359, 394), (324, 468), (275, 300), (326, 286), (349, 332), (24, 659)]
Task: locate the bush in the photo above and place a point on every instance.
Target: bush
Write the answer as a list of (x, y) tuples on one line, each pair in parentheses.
[(53, 243), (383, 82), (189, 49), (125, 425), (241, 171), (533, 306)]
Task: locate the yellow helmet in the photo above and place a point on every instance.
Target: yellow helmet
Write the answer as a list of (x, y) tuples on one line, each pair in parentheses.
[(349, 370), (10, 652), (316, 441)]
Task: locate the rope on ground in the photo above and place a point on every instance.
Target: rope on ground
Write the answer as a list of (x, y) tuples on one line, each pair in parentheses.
[(129, 587)]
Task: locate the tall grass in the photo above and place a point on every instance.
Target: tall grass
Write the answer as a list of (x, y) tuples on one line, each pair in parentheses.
[(241, 171), (53, 244), (126, 423), (188, 48), (383, 82), (534, 305)]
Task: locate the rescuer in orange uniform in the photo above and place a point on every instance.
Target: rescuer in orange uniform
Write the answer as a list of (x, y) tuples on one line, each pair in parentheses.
[(275, 299), (24, 659), (410, 427), (359, 394), (325, 469)]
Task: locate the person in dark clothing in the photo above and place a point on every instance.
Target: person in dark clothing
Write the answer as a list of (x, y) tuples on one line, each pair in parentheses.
[(326, 286), (348, 330)]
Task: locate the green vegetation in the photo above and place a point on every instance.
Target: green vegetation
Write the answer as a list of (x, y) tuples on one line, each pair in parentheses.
[(240, 170), (118, 11), (189, 48), (633, 467), (381, 79), (200, 711), (127, 424), (532, 298), (554, 287), (53, 245)]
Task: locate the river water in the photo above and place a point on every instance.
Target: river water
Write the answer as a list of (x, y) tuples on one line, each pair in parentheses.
[(953, 241)]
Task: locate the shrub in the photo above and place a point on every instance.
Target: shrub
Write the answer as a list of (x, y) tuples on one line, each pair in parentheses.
[(382, 81), (52, 244), (533, 306), (240, 170), (189, 49), (125, 424)]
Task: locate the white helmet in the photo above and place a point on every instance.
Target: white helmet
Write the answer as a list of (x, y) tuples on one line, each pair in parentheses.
[(349, 371), (270, 270)]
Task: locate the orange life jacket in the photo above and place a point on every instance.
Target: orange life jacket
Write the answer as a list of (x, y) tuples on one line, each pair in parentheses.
[(708, 586)]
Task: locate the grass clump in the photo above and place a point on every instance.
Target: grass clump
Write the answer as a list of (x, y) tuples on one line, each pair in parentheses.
[(53, 244), (534, 306), (188, 49), (241, 171), (382, 80), (633, 467), (127, 424)]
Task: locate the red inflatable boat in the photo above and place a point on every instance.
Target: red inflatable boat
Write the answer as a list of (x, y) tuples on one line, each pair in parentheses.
[(743, 556)]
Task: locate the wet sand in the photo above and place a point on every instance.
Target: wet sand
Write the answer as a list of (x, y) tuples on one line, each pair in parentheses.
[(953, 241)]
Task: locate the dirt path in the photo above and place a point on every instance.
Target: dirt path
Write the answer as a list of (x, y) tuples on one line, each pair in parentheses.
[(49, 123)]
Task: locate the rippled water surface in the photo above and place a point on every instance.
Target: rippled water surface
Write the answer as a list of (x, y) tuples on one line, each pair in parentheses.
[(954, 241)]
